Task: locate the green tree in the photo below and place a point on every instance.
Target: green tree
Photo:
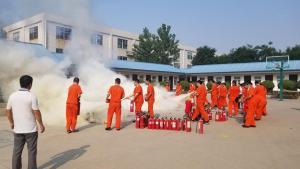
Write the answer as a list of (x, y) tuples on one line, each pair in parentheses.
[(144, 51), (244, 54), (204, 55), (166, 45), (161, 48), (293, 52)]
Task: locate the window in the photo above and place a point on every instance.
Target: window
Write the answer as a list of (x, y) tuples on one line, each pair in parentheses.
[(202, 79), (154, 78), (189, 66), (269, 77), (63, 33), (194, 78), (177, 65), (190, 55), (59, 50), (247, 78), (97, 39), (159, 78), (219, 79), (293, 77), (237, 79), (210, 78), (257, 78), (134, 77), (122, 58), (16, 36), (122, 43), (228, 79), (33, 33)]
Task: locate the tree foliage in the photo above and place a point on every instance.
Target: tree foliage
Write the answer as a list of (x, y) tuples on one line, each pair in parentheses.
[(161, 48)]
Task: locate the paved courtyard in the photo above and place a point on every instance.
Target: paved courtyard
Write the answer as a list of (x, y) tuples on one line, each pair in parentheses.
[(274, 144)]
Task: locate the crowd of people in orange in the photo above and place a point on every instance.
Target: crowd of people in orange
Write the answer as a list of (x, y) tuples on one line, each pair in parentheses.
[(251, 99)]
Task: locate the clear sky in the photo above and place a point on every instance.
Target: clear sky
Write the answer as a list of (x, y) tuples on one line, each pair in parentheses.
[(222, 24)]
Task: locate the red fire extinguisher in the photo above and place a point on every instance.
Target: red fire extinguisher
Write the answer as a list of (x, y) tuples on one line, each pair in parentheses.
[(183, 122), (200, 128), (217, 116), (157, 125), (142, 124), (131, 106), (166, 124), (150, 121), (161, 124), (178, 125), (170, 123), (224, 115), (137, 121), (188, 126)]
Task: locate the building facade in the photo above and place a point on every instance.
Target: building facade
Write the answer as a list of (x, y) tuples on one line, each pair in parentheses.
[(54, 33)]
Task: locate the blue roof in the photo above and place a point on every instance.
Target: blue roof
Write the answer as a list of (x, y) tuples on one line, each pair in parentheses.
[(142, 66), (294, 65)]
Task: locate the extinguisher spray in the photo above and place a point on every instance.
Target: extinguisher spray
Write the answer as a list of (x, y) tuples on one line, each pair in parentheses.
[(131, 105), (188, 126)]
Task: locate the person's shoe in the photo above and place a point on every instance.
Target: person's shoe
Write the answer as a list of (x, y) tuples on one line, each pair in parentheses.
[(69, 131), (257, 119), (108, 128), (264, 114), (206, 122), (75, 130), (253, 126), (244, 126), (133, 121), (118, 129)]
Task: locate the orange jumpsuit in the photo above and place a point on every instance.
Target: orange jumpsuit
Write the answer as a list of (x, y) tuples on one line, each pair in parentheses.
[(201, 99), (116, 94), (168, 88), (150, 99), (138, 101), (178, 90), (72, 106), (222, 96), (245, 95), (192, 88), (261, 101), (214, 95), (233, 93), (252, 102)]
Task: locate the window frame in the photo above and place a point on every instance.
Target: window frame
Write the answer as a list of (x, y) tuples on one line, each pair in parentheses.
[(33, 33)]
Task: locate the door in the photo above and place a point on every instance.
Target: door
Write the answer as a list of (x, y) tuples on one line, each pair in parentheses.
[(247, 78), (171, 82)]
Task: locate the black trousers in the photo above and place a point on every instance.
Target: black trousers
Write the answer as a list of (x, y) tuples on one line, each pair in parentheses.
[(19, 141)]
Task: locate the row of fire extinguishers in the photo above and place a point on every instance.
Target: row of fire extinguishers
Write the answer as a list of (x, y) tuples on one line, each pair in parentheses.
[(175, 124)]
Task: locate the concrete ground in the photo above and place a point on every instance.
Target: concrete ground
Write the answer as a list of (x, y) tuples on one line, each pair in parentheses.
[(274, 144)]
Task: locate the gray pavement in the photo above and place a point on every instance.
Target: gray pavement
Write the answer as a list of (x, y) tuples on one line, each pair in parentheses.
[(274, 144)]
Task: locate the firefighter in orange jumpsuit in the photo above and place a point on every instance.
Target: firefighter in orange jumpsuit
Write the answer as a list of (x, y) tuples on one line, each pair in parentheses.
[(116, 94), (192, 87), (233, 93), (200, 94), (245, 95), (178, 89), (168, 88), (150, 97), (137, 96), (260, 97), (222, 93), (214, 94), (72, 107), (252, 103)]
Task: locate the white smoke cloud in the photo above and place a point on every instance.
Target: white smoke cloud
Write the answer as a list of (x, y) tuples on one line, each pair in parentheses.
[(50, 84)]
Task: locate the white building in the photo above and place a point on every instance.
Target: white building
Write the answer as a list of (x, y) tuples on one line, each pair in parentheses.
[(53, 32)]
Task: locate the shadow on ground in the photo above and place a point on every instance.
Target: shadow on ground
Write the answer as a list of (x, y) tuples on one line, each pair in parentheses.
[(62, 158)]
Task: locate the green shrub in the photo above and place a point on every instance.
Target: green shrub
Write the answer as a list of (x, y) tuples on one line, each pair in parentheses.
[(288, 85), (185, 85), (269, 85), (162, 83), (209, 85), (298, 84)]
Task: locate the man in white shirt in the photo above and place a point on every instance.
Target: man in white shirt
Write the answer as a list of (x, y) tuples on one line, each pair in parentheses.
[(23, 112)]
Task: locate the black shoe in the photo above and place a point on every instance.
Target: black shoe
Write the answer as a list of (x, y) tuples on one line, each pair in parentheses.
[(108, 128), (133, 121), (257, 119), (244, 126), (119, 129), (253, 126), (69, 131), (76, 130)]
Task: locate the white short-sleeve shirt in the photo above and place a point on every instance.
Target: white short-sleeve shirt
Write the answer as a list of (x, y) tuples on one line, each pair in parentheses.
[(22, 103)]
